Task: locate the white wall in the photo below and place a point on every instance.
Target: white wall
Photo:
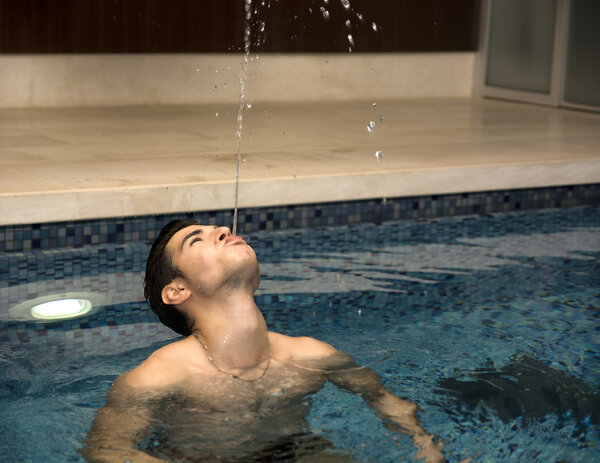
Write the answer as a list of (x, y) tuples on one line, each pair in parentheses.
[(138, 79)]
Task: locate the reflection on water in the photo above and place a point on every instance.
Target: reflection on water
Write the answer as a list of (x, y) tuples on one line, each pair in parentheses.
[(525, 388)]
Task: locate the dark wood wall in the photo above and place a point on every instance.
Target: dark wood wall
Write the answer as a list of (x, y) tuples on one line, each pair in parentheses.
[(201, 26)]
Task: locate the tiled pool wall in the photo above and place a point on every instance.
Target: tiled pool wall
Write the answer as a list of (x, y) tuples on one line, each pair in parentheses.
[(50, 259), (76, 234)]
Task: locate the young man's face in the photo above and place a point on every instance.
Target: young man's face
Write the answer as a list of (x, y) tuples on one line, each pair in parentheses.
[(211, 258)]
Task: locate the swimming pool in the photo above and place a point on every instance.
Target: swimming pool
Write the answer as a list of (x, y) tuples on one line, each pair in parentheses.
[(489, 323)]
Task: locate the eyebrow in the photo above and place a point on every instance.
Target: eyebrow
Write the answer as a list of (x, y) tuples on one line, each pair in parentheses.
[(198, 231)]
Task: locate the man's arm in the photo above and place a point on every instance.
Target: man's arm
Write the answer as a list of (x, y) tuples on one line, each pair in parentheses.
[(118, 427), (397, 414)]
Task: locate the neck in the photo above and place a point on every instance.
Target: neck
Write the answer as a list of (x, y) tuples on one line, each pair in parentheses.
[(233, 331)]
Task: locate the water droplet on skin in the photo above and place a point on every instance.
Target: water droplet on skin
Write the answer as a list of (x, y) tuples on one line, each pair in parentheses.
[(310, 10), (326, 61), (225, 85), (217, 114), (248, 105), (382, 118), (374, 26), (262, 26), (243, 159), (360, 17), (378, 155), (371, 127), (350, 40), (326, 2), (374, 105), (346, 3), (348, 24), (325, 13)]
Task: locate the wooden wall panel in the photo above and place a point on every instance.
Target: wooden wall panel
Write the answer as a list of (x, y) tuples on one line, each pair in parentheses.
[(186, 26)]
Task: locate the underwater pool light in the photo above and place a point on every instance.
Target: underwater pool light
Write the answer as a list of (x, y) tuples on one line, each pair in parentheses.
[(57, 307), (62, 308)]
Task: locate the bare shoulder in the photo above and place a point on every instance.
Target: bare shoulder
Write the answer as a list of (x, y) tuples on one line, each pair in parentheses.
[(287, 347), (164, 367)]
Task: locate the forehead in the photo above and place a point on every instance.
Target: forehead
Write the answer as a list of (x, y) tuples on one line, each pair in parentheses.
[(180, 236)]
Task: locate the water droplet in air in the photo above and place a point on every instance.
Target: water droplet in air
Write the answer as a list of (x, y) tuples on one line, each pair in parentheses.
[(348, 24), (310, 10), (378, 155), (326, 2), (325, 13), (360, 17), (371, 126), (262, 26), (374, 26), (346, 3), (350, 40)]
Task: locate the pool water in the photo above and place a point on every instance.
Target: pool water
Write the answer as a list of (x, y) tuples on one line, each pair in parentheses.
[(490, 324)]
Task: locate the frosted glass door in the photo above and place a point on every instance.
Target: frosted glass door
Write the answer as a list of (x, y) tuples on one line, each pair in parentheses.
[(521, 45), (582, 71)]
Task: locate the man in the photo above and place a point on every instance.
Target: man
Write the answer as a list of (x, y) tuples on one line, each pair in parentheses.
[(229, 390)]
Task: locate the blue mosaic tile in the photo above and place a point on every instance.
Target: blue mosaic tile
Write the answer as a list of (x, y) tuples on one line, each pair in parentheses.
[(129, 229)]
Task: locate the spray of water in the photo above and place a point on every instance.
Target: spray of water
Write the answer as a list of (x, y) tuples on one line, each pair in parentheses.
[(248, 10)]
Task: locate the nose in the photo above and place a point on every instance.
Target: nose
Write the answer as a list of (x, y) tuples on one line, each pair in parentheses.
[(222, 232)]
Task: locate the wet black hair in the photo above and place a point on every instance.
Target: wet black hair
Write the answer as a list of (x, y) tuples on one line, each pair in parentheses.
[(160, 271)]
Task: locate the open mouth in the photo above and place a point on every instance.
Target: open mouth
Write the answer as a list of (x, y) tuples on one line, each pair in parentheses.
[(234, 239)]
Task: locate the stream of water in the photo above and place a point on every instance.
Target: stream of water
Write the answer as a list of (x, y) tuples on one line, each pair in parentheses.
[(248, 10)]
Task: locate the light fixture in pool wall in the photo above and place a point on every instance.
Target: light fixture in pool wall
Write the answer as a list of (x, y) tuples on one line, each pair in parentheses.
[(55, 307)]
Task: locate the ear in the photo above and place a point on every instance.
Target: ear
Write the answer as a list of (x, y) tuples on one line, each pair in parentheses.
[(176, 292)]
